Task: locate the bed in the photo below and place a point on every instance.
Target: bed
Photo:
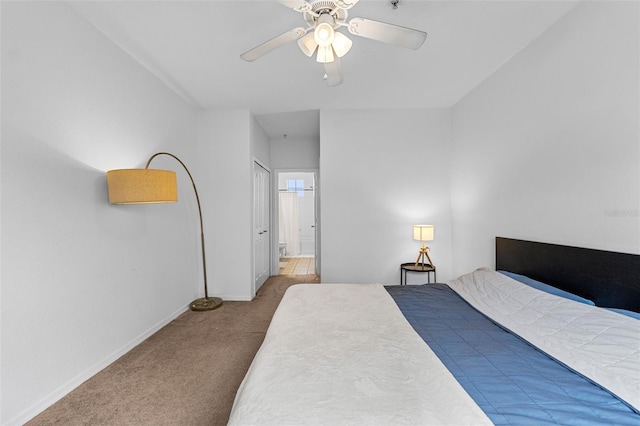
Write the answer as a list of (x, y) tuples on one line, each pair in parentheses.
[(551, 336)]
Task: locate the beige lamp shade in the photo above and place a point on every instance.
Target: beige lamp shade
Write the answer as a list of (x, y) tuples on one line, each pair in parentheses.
[(423, 232), (142, 186)]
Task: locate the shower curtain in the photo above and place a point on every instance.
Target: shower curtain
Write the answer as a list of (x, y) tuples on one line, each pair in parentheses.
[(289, 224)]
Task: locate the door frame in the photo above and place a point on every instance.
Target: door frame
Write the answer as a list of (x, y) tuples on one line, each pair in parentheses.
[(275, 213)]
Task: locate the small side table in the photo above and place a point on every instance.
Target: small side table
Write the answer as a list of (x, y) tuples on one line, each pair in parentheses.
[(422, 267)]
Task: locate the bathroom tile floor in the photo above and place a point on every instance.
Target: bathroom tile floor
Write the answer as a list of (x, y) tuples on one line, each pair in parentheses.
[(297, 266)]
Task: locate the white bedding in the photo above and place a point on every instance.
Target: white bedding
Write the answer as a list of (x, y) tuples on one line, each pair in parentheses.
[(344, 354), (599, 344)]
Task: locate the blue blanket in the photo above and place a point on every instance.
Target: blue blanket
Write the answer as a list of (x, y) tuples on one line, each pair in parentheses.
[(513, 382)]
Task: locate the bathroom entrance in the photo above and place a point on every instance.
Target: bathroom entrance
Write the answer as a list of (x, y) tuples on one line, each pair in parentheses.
[(297, 225)]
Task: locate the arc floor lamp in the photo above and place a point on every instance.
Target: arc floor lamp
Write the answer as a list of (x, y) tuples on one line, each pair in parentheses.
[(153, 186)]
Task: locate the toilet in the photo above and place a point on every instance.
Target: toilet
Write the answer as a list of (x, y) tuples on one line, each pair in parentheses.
[(282, 247)]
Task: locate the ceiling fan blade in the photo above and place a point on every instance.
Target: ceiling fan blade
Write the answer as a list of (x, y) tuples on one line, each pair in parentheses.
[(333, 72), (274, 43), (297, 5), (387, 33)]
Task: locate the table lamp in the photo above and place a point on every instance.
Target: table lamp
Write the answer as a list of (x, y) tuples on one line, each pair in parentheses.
[(423, 233)]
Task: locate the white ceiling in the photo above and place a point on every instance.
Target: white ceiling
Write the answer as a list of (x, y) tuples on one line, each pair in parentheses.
[(195, 47)]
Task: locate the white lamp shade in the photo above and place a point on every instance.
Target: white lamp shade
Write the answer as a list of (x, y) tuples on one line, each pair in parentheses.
[(308, 44), (324, 33), (341, 44), (423, 232), (325, 54)]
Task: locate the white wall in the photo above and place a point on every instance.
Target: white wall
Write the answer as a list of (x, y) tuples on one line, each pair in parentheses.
[(225, 168), (548, 149), (260, 146), (383, 171), (83, 281), (295, 153)]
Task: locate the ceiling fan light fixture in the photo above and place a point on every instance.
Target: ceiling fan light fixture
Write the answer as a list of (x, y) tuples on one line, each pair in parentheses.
[(325, 54), (324, 33), (308, 44), (322, 38), (341, 44)]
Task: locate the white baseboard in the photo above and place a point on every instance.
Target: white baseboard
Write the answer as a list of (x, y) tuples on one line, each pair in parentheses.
[(235, 298), (56, 395)]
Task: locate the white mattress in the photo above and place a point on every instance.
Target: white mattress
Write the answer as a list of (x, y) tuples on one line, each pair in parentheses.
[(339, 354)]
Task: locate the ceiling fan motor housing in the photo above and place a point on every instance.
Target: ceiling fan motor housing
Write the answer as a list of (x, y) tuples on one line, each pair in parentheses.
[(322, 7)]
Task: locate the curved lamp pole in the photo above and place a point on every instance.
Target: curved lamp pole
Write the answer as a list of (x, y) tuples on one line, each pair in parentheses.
[(145, 186)]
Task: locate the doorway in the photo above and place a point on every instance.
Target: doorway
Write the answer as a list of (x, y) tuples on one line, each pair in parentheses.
[(297, 224)]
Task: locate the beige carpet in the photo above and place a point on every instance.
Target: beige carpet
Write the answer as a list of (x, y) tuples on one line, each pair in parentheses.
[(185, 374)]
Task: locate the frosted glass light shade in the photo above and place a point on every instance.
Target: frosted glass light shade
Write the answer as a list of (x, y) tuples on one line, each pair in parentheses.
[(423, 232), (325, 54), (341, 44), (142, 186), (308, 44), (324, 33)]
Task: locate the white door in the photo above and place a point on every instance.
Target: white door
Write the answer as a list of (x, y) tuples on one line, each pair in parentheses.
[(307, 211), (261, 225)]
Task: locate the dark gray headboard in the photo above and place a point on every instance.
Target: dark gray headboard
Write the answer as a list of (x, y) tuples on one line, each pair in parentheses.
[(608, 278)]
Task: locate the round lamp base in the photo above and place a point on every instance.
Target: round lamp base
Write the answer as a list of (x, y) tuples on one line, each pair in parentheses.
[(206, 304)]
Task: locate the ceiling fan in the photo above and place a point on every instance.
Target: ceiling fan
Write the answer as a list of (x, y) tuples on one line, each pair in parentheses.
[(323, 19)]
